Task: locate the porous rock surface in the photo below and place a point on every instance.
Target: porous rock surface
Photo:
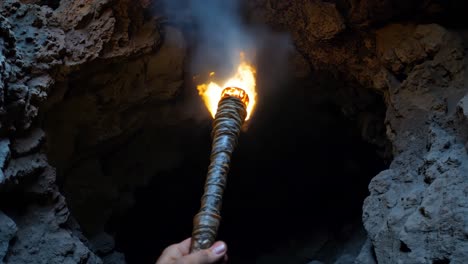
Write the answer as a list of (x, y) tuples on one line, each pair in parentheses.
[(417, 211), (42, 45)]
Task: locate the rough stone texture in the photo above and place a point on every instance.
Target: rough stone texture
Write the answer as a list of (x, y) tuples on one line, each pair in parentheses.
[(43, 44), (30, 144), (4, 157), (417, 209), (112, 58), (366, 254), (416, 212), (8, 230), (40, 228)]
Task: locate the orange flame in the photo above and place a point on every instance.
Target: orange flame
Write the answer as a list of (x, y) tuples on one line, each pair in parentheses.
[(243, 79), (236, 92)]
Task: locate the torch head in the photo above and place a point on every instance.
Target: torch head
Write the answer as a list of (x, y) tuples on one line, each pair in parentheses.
[(237, 93)]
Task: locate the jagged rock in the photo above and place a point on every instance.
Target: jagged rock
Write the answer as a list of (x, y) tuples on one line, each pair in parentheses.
[(418, 198), (323, 20), (28, 56), (38, 230), (39, 88), (431, 37), (26, 166), (420, 68), (4, 157), (8, 230), (42, 43), (366, 255), (463, 107), (45, 185), (31, 143)]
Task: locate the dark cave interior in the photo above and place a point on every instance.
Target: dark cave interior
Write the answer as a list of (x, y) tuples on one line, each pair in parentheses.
[(300, 170), (296, 185), (295, 190)]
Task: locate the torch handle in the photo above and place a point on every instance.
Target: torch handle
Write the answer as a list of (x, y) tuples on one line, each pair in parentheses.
[(227, 124)]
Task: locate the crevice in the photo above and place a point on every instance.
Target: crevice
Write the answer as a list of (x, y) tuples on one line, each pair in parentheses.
[(441, 261), (54, 4), (404, 248)]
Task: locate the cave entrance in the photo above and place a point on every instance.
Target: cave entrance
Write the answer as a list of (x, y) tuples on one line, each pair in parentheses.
[(296, 185)]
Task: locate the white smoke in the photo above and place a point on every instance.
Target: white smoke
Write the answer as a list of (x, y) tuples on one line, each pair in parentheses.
[(221, 33), (218, 32)]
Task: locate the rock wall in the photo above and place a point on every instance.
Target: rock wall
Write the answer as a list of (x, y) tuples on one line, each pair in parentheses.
[(417, 209), (116, 56), (121, 53)]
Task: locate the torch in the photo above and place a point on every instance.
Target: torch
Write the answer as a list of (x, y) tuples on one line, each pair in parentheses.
[(231, 113), (230, 107)]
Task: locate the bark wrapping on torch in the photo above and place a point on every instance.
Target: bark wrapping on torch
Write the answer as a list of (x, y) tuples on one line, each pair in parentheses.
[(227, 125)]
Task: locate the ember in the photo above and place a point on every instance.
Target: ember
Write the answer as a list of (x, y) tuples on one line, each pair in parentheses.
[(236, 92)]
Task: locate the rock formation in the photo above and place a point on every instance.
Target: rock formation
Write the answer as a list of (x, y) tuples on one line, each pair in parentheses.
[(43, 44), (417, 210)]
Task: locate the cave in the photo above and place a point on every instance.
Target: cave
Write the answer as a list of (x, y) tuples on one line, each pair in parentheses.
[(296, 185), (295, 190), (356, 150)]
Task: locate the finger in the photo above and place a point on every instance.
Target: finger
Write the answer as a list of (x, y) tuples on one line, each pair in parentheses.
[(175, 251), (184, 246), (207, 256)]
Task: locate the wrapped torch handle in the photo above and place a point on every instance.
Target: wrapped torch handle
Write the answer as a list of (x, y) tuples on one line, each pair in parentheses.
[(227, 124)]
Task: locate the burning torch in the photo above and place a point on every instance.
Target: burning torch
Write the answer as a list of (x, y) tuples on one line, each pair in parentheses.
[(230, 106)]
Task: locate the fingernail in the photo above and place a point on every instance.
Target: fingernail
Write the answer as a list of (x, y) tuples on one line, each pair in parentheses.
[(219, 249)]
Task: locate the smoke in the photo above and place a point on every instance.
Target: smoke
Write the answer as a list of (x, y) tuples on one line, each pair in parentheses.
[(219, 30)]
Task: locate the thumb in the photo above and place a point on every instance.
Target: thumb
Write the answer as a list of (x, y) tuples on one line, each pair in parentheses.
[(207, 256)]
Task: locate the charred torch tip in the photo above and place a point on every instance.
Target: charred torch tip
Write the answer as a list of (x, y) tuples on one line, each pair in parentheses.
[(236, 92)]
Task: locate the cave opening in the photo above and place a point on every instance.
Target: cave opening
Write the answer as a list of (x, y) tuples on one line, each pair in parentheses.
[(135, 171), (295, 189), (296, 186)]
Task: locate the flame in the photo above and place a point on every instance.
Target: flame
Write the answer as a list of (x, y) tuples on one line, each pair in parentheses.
[(236, 92), (243, 79)]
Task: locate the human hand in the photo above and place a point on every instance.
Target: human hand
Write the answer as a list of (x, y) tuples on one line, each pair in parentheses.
[(180, 254)]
